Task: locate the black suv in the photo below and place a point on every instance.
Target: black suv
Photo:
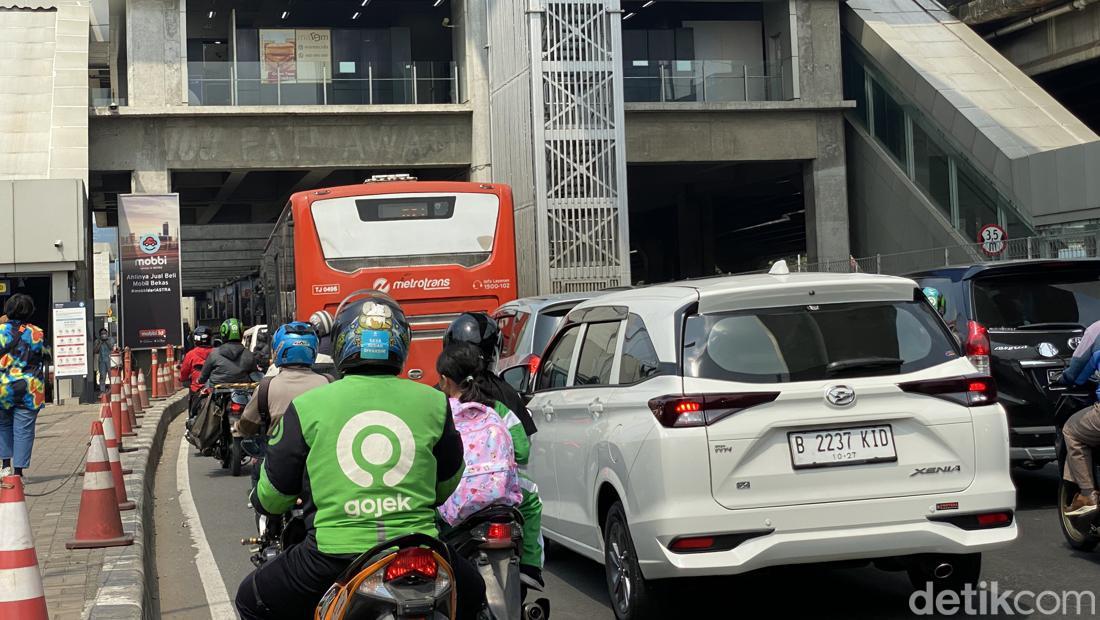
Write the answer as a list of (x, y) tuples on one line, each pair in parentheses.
[(1021, 320)]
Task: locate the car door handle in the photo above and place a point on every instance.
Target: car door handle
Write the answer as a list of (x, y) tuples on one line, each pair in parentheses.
[(595, 408), (548, 412)]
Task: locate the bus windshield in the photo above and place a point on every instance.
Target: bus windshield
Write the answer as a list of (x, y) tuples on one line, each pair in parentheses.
[(361, 232)]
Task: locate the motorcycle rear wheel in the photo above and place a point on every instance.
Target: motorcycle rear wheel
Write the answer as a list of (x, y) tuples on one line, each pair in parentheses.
[(236, 456), (1073, 527)]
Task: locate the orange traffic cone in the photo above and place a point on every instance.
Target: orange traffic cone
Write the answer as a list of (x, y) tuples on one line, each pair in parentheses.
[(126, 429), (128, 404), (111, 441), (21, 593), (111, 436), (154, 377), (143, 392), (135, 398), (98, 524), (116, 402)]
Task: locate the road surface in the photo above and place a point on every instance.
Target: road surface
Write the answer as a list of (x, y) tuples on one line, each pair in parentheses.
[(200, 518)]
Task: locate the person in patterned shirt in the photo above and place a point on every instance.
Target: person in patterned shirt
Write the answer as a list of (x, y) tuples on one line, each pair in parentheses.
[(22, 381)]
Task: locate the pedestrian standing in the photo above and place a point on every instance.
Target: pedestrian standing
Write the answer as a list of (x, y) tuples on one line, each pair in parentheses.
[(103, 349), (22, 381)]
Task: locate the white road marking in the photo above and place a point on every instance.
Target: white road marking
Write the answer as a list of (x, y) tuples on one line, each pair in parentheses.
[(221, 606)]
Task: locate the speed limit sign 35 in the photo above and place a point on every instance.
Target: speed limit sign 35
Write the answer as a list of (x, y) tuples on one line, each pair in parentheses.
[(993, 239)]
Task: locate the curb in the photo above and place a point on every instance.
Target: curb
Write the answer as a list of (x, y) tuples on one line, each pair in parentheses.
[(123, 593)]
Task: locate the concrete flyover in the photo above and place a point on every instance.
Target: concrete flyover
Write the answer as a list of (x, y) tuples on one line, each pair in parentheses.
[(153, 141)]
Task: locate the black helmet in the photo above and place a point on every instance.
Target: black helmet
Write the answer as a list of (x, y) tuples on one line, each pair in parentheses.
[(476, 328), (371, 332), (201, 335)]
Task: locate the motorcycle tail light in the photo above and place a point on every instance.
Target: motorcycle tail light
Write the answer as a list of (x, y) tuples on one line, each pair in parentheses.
[(495, 535), (392, 574), (412, 561)]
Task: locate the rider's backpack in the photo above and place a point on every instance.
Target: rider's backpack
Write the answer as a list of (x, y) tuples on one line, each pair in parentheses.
[(491, 476)]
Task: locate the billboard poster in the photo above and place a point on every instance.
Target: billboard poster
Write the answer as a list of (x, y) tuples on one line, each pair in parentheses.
[(148, 242), (313, 54), (70, 339), (278, 54)]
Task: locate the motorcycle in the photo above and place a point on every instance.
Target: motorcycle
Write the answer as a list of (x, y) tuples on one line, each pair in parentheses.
[(1081, 532), (491, 539), (213, 429)]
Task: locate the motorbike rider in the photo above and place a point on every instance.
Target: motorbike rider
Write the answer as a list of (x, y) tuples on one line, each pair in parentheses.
[(936, 298), (294, 352), (193, 362), (478, 328), (230, 362), (1081, 433), (319, 449)]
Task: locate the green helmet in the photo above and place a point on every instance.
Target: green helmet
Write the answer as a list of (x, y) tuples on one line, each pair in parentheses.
[(936, 298), (231, 330)]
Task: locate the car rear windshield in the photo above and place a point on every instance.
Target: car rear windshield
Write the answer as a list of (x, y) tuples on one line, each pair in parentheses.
[(1053, 297), (810, 343)]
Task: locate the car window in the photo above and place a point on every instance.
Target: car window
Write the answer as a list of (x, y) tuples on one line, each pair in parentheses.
[(504, 322), (639, 360), (1051, 296), (597, 354), (511, 337), (813, 343), (555, 368)]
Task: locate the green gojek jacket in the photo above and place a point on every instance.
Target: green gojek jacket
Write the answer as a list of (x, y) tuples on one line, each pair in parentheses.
[(376, 454), (521, 443)]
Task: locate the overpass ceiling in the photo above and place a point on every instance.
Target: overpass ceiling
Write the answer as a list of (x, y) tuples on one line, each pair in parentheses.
[(227, 215)]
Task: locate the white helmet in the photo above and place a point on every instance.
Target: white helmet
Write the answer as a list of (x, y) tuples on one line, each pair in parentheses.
[(322, 322)]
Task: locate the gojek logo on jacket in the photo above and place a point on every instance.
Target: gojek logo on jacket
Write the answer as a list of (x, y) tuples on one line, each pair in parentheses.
[(376, 448)]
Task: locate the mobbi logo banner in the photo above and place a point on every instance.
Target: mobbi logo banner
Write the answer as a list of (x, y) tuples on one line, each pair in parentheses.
[(149, 245)]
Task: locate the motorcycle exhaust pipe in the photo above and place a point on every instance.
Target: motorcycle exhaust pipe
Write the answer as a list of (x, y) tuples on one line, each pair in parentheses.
[(943, 570), (532, 611)]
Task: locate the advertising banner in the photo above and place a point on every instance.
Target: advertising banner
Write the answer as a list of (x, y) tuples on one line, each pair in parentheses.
[(70, 339), (278, 54), (314, 55), (148, 241)]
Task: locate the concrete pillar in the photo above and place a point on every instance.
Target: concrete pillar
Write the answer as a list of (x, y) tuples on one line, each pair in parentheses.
[(59, 292), (825, 188), (155, 54), (471, 54), (818, 25)]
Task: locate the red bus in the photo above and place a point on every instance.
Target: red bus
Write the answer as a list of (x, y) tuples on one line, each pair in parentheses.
[(439, 248)]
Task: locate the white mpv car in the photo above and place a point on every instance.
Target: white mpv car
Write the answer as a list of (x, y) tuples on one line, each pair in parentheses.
[(718, 426)]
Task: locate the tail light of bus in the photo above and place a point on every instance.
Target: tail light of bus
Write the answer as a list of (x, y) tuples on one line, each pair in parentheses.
[(978, 346), (704, 409)]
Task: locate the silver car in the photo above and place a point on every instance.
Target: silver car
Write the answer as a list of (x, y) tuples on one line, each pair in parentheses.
[(526, 325)]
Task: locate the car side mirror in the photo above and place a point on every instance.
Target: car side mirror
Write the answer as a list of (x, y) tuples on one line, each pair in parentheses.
[(519, 377)]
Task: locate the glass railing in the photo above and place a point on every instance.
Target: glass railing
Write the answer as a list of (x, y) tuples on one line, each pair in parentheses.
[(303, 83), (701, 81), (964, 196), (102, 98)]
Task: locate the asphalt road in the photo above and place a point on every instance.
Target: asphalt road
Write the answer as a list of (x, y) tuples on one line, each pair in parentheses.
[(199, 583)]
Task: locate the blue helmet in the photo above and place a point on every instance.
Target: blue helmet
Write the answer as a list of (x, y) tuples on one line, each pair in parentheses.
[(295, 343)]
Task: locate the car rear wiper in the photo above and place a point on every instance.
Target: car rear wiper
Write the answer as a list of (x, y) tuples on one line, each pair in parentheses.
[(1052, 325), (863, 363)]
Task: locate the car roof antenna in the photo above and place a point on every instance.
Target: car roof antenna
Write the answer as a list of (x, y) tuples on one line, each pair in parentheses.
[(779, 268)]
